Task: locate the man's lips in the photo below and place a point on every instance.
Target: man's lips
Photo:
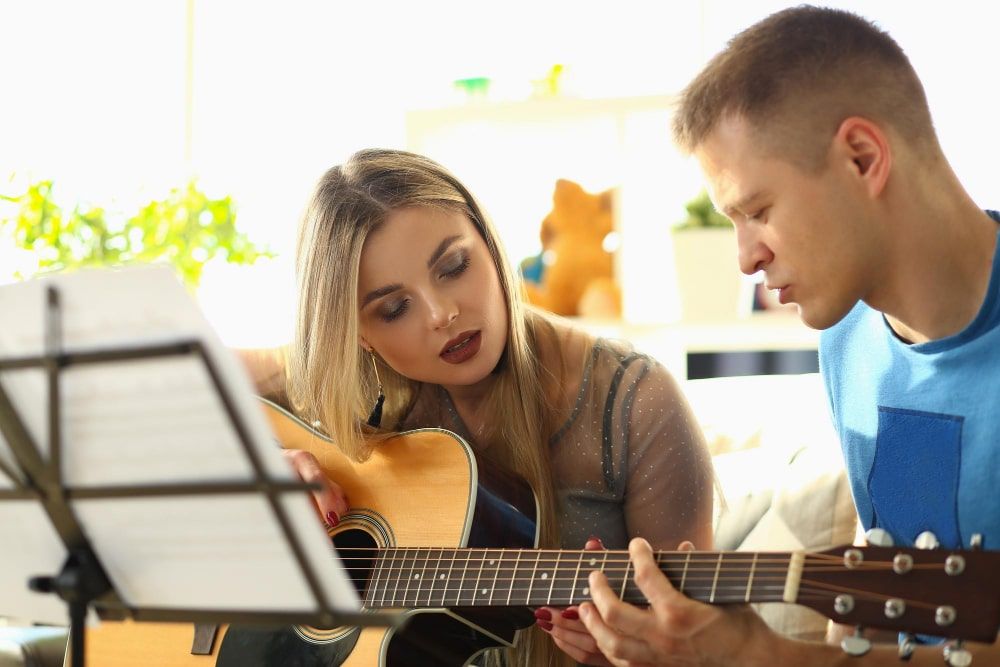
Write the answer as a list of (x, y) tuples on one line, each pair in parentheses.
[(782, 291)]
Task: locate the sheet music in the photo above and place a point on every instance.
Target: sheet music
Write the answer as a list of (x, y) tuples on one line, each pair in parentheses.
[(156, 421)]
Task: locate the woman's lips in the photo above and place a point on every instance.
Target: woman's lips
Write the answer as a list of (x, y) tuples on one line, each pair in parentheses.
[(462, 347)]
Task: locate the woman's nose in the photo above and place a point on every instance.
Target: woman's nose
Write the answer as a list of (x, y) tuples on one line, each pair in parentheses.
[(443, 313)]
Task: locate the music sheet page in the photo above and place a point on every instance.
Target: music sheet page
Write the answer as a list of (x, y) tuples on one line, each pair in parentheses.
[(149, 422)]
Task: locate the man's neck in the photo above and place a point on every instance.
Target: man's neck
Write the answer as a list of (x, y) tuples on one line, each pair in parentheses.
[(943, 269)]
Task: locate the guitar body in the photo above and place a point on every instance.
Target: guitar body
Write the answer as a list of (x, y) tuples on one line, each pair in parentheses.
[(418, 489)]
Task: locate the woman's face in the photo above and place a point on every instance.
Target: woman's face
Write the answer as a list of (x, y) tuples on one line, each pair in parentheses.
[(430, 300)]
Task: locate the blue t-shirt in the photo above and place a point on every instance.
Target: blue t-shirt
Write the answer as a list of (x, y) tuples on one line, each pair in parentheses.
[(920, 424)]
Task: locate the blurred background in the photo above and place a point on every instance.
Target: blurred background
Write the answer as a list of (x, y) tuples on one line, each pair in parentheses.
[(119, 117)]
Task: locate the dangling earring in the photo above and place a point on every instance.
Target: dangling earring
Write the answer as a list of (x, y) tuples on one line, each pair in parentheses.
[(375, 418)]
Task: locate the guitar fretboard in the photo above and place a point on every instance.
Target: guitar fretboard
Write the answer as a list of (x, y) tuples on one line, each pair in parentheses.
[(430, 577)]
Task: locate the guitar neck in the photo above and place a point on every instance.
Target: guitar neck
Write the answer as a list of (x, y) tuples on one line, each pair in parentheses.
[(430, 577)]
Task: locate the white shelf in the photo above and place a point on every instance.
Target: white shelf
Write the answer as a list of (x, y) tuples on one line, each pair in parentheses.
[(670, 343)]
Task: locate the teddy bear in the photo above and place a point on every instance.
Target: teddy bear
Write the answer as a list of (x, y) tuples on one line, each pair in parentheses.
[(574, 274)]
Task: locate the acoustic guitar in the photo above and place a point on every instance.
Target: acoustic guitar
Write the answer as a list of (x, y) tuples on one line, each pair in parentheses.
[(440, 534)]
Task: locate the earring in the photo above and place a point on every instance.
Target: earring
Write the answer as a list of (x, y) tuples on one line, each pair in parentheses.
[(375, 418)]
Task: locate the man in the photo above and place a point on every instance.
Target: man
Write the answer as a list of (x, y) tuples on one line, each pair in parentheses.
[(815, 138)]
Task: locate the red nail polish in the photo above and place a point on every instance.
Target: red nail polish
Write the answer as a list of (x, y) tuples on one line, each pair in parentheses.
[(543, 614), (544, 626), (570, 614), (332, 519)]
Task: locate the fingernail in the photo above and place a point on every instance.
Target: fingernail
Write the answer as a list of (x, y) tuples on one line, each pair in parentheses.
[(543, 614), (570, 614), (332, 519), (544, 626)]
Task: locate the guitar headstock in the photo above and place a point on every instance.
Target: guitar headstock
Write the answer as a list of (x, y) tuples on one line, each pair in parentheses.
[(939, 592)]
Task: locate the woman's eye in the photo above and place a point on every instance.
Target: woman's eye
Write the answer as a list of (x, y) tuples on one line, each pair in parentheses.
[(394, 311), (758, 216), (455, 269)]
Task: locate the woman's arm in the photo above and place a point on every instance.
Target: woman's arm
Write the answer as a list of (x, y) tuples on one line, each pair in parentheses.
[(266, 367)]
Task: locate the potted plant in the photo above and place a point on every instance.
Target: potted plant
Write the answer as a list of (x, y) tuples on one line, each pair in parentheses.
[(185, 229), (708, 277)]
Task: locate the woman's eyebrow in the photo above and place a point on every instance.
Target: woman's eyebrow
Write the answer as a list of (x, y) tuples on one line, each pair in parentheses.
[(442, 247), (380, 292)]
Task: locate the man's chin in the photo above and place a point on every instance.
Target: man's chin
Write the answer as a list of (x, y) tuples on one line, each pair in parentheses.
[(819, 318)]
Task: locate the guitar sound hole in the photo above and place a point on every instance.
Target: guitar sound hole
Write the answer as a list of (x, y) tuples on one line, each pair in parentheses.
[(357, 550)]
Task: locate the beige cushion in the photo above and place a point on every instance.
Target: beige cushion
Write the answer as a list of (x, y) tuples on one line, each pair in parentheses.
[(780, 470), (812, 510)]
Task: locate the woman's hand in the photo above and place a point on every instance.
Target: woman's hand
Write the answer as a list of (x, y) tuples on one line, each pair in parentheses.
[(568, 632), (331, 501)]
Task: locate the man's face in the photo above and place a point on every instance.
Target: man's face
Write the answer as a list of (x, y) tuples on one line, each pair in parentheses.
[(804, 230)]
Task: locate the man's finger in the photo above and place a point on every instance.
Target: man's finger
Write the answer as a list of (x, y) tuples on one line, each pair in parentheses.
[(613, 645), (613, 611), (655, 586)]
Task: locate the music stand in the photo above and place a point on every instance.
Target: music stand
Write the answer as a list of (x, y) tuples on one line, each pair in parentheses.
[(83, 582)]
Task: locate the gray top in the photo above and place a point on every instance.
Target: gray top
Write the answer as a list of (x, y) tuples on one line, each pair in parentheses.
[(629, 461)]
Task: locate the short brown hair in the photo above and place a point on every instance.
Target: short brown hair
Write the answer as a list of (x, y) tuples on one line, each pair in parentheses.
[(797, 74)]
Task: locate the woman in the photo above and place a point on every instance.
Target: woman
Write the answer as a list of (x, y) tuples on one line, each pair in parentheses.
[(407, 303)]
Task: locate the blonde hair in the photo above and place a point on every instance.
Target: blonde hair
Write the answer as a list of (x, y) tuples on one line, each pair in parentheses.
[(332, 380), (796, 75)]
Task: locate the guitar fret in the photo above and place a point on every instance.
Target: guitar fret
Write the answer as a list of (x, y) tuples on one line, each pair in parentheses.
[(555, 575), (372, 591), (753, 567), (576, 577), (510, 590), (715, 580), (434, 577), (411, 576), (684, 576), (446, 578), (461, 580), (628, 565), (496, 572), (421, 577), (534, 573)]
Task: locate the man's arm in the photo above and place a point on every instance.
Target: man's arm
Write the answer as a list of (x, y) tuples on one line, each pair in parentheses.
[(676, 630)]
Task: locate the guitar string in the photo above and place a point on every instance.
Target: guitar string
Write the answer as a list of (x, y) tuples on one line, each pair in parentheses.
[(693, 585), (441, 597), (710, 561), (730, 557)]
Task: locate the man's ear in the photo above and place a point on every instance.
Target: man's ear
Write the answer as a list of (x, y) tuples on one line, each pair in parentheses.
[(867, 147)]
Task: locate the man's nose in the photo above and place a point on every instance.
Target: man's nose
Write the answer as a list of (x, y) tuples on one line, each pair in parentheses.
[(753, 254)]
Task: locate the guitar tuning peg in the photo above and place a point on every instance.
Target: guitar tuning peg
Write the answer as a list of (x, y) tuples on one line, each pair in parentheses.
[(907, 645), (879, 537), (855, 645), (926, 540), (956, 656)]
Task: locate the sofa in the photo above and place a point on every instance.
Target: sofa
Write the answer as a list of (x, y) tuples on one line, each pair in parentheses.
[(781, 485), (780, 473)]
